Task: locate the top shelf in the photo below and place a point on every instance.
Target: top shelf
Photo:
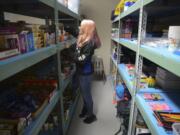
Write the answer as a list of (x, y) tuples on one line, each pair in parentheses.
[(163, 8), (61, 8), (154, 8), (35, 8), (132, 9), (65, 10)]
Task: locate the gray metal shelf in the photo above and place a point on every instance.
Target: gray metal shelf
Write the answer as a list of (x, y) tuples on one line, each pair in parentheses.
[(11, 66), (149, 117), (35, 8), (50, 3), (36, 125), (66, 11), (132, 9), (126, 43), (61, 8), (162, 57), (129, 44), (163, 9)]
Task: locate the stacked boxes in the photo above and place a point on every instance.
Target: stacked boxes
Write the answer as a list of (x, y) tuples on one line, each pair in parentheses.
[(9, 43), (23, 104), (167, 80), (21, 38)]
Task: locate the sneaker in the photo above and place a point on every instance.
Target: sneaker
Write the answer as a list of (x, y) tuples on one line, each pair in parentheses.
[(90, 119)]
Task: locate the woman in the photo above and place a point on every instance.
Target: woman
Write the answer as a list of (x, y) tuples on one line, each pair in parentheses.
[(83, 51)]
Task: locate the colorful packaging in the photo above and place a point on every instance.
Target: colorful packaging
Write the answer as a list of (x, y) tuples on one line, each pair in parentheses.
[(2, 42), (12, 41), (23, 43), (30, 40), (119, 7), (8, 53)]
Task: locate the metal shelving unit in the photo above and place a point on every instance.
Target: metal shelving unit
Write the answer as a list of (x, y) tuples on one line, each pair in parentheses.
[(154, 9), (48, 9)]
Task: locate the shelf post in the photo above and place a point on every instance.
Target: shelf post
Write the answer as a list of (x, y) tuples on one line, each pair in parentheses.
[(118, 55), (60, 81), (119, 46), (138, 68)]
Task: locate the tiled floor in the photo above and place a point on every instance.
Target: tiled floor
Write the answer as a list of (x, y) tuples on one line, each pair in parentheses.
[(107, 123)]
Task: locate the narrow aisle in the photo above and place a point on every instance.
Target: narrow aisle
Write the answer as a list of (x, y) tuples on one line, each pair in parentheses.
[(107, 123)]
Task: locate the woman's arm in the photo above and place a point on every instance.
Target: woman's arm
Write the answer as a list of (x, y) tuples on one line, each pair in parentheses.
[(81, 55)]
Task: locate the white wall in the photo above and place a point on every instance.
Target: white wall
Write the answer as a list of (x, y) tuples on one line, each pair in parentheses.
[(100, 12)]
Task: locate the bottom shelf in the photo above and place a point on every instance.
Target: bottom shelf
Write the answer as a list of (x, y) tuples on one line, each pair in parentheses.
[(36, 125), (145, 107), (71, 112), (148, 116)]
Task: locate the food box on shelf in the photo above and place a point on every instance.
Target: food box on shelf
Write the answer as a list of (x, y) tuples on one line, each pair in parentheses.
[(10, 126), (167, 80), (4, 54), (42, 92), (166, 75), (8, 129)]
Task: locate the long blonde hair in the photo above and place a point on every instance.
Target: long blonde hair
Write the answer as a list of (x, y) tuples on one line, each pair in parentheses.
[(88, 32)]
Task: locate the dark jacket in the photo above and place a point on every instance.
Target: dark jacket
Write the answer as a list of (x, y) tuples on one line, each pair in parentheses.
[(82, 57)]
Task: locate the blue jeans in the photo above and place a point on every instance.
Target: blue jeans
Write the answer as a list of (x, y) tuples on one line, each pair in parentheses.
[(85, 87)]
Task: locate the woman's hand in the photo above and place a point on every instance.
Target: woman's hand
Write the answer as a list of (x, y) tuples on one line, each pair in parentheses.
[(80, 45)]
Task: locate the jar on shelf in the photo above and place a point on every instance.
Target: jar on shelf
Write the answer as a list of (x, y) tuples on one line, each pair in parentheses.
[(174, 38)]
